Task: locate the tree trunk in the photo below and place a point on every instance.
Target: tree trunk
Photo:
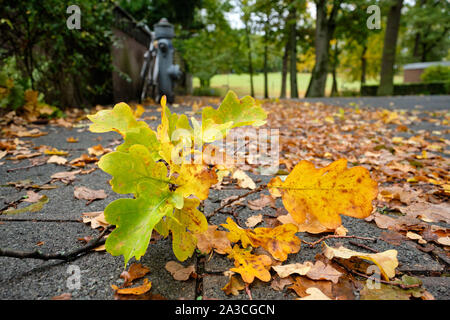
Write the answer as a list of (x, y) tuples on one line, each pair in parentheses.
[(325, 27), (266, 80), (386, 87), (284, 70), (334, 86), (293, 51), (363, 66), (250, 63)]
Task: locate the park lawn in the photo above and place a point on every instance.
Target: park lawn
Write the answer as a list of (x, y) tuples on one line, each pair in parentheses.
[(240, 83)]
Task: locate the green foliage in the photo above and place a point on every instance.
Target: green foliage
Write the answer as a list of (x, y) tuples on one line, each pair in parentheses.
[(436, 73), (166, 193), (71, 67)]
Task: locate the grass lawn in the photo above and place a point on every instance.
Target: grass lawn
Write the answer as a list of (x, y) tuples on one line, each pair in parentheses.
[(240, 83)]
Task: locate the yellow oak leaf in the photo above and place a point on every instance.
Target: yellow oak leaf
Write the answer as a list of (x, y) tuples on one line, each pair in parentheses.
[(311, 194), (278, 241), (195, 179), (249, 265), (233, 286)]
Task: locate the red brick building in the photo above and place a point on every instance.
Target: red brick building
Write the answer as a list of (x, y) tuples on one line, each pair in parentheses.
[(412, 71)]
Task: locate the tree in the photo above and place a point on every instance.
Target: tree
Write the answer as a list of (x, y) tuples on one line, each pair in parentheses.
[(71, 67), (386, 86), (246, 18), (427, 29), (325, 27), (214, 48)]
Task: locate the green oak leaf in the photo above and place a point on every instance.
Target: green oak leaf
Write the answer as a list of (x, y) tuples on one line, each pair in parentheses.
[(233, 113), (120, 119), (135, 220), (143, 136), (184, 224), (130, 169)]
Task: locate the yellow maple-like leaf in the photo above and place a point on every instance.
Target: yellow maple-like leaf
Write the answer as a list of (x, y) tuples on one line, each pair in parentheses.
[(314, 196), (278, 241), (386, 261), (249, 265)]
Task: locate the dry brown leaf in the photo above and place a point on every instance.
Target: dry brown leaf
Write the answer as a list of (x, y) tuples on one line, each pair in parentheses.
[(213, 239), (83, 193), (33, 197), (244, 181), (254, 220), (314, 294), (278, 283), (178, 271), (57, 159), (65, 176), (262, 202), (135, 271), (95, 218), (321, 271), (284, 271)]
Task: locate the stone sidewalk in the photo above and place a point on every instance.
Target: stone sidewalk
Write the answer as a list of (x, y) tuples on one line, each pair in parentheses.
[(58, 226)]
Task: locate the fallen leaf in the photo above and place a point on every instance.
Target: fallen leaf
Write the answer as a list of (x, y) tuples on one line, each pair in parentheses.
[(96, 219), (444, 240), (233, 286), (244, 181), (313, 195), (33, 197), (386, 261), (254, 220), (72, 140), (57, 152), (178, 271), (415, 236), (65, 176), (314, 294), (98, 150), (34, 207), (57, 159), (83, 193), (64, 296), (146, 286), (249, 265), (321, 271), (213, 239), (135, 271), (262, 202), (278, 284), (284, 271)]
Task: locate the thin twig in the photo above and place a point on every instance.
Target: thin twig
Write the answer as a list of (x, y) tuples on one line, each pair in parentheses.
[(37, 254), (312, 244), (26, 167), (227, 203), (363, 246)]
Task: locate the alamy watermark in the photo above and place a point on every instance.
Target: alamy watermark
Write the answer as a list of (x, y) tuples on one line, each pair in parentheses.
[(374, 20), (74, 20)]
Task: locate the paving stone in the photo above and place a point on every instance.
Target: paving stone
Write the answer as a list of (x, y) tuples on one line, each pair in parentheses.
[(37, 279), (439, 287)]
